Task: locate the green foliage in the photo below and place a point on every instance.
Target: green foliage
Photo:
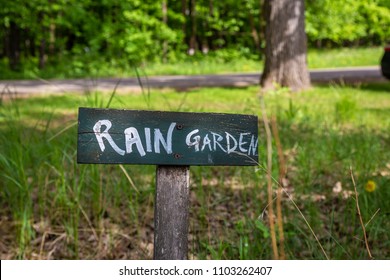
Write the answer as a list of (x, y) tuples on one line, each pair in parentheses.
[(338, 22), (262, 228), (126, 33), (376, 19)]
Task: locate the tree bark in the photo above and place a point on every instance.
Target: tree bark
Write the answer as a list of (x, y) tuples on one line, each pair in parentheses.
[(164, 10), (184, 10), (42, 54), (14, 47), (193, 45), (286, 47), (52, 38), (254, 33), (42, 42)]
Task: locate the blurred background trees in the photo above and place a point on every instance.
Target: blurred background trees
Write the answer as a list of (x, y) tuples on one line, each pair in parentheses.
[(43, 32)]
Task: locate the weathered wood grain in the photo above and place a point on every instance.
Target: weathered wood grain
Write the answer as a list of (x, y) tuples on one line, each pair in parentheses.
[(171, 213), (196, 138)]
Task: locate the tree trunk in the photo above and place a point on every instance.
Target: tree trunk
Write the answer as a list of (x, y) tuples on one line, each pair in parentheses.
[(193, 46), (184, 12), (14, 47), (42, 54), (164, 9), (286, 48), (205, 42), (254, 33), (42, 42), (52, 38)]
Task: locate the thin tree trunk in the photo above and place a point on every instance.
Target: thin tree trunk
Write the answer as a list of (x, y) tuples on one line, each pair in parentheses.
[(14, 47), (164, 9), (6, 43), (42, 45), (42, 54), (52, 38), (209, 27), (192, 47), (262, 24), (286, 47), (254, 33), (184, 13), (29, 44), (205, 43)]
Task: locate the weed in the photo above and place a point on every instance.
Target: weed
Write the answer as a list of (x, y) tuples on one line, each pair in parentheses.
[(345, 109)]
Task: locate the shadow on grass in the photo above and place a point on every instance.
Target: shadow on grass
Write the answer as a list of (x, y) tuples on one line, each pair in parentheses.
[(376, 87)]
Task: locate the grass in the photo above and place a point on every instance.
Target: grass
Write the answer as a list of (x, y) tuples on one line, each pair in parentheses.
[(214, 63), (344, 57), (51, 207)]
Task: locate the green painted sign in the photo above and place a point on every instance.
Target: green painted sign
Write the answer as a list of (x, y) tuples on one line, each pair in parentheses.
[(166, 138)]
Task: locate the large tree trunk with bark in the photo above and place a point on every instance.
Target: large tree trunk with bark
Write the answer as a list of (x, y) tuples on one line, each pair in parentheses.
[(286, 47)]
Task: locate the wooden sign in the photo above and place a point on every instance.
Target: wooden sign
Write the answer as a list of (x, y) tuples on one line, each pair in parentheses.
[(166, 138), (173, 142)]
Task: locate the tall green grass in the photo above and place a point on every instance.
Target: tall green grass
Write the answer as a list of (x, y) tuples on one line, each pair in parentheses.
[(51, 207)]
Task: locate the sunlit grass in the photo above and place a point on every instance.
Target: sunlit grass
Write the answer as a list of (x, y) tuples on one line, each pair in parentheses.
[(345, 57), (334, 105)]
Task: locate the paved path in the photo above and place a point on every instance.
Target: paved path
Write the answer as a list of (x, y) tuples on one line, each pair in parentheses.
[(347, 75)]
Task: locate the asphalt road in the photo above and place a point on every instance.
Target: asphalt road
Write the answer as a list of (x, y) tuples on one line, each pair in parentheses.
[(344, 75)]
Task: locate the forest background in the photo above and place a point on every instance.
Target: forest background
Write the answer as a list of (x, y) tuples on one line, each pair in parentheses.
[(67, 38)]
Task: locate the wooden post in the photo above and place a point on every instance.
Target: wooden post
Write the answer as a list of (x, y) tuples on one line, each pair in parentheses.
[(171, 213)]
